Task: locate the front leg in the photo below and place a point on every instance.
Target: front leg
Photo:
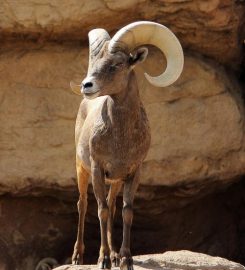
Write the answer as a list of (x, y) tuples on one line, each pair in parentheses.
[(82, 178), (130, 187), (98, 183), (111, 200)]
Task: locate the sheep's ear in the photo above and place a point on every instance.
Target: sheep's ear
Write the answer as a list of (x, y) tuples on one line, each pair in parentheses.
[(75, 88), (139, 56)]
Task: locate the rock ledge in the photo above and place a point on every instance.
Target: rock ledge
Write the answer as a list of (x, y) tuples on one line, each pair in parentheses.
[(172, 260)]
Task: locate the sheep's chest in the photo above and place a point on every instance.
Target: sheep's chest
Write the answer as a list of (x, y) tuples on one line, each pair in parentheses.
[(120, 147)]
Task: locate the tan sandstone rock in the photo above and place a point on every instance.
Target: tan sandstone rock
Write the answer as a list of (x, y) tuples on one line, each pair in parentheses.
[(178, 260), (212, 27), (197, 123)]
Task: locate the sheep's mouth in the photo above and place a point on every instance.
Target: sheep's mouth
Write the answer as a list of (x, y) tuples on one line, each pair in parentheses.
[(91, 95)]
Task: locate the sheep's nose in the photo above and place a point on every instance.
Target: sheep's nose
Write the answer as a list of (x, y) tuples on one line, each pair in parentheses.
[(87, 84)]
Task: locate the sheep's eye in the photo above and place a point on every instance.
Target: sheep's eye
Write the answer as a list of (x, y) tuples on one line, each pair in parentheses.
[(118, 65), (114, 67)]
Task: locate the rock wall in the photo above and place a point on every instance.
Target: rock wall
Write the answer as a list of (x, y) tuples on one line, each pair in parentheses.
[(197, 124), (198, 128)]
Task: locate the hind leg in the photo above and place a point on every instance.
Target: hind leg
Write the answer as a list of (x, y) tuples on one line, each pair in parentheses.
[(130, 187), (111, 201), (82, 178)]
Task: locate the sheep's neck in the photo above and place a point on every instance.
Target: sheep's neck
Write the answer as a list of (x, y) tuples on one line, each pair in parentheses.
[(125, 106)]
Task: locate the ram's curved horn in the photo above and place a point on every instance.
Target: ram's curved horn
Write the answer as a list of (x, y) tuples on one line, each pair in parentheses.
[(97, 38), (144, 32)]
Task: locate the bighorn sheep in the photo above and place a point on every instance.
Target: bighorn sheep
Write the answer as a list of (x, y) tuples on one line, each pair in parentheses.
[(112, 133)]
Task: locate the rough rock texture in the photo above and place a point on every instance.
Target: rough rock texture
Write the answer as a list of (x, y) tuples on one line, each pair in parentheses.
[(37, 116), (211, 27), (179, 260), (33, 228), (188, 122)]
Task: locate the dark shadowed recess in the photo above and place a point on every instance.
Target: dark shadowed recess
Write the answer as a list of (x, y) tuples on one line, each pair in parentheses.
[(32, 228)]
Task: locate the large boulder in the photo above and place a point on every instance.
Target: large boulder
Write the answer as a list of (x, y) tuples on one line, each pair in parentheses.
[(197, 124), (212, 27)]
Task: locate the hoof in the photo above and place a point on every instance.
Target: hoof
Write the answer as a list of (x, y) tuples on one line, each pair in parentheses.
[(104, 262), (77, 259), (115, 260), (126, 263), (77, 256)]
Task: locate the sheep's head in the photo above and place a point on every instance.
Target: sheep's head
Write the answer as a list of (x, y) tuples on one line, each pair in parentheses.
[(108, 72), (111, 60)]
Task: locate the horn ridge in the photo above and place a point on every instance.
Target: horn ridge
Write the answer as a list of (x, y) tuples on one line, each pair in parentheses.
[(96, 50), (97, 38)]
